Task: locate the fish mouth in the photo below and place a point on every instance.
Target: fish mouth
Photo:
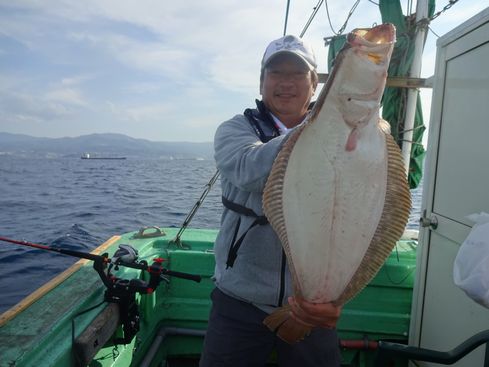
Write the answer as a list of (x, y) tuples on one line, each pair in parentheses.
[(375, 42), (381, 34)]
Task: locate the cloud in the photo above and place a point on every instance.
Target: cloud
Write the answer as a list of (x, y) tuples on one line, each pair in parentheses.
[(191, 62), (149, 56), (24, 98), (143, 87), (75, 80), (183, 38), (141, 113), (22, 107), (65, 96)]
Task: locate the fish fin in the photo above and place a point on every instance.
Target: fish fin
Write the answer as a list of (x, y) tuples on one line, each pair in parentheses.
[(285, 327), (394, 218), (272, 194), (277, 318), (384, 126), (351, 142), (292, 331)]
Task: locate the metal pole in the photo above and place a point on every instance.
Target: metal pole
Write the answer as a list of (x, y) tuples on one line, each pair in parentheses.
[(286, 17), (421, 17)]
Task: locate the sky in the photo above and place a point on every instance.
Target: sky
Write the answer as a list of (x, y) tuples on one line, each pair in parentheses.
[(159, 70)]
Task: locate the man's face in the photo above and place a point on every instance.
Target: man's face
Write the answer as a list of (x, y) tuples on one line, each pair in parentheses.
[(287, 88)]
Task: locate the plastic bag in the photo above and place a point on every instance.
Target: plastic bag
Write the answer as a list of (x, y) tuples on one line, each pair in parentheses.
[(471, 266)]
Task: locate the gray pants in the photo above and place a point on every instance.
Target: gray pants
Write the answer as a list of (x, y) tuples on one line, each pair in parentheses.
[(237, 337)]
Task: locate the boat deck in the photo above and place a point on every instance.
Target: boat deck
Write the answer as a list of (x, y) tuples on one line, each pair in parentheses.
[(41, 334)]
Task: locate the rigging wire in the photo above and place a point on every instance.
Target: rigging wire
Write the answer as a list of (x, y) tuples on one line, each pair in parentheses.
[(329, 18), (445, 8), (432, 31), (350, 13), (314, 12), (426, 21), (286, 17), (409, 7)]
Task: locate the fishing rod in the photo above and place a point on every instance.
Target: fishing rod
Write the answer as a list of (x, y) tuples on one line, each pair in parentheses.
[(82, 255), (125, 256), (119, 290)]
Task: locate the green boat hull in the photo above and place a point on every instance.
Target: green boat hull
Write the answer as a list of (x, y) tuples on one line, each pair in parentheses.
[(38, 331)]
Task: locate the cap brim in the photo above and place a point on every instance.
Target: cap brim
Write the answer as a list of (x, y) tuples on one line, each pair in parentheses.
[(287, 52)]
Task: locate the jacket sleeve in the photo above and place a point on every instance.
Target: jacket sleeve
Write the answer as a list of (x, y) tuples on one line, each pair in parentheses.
[(240, 155)]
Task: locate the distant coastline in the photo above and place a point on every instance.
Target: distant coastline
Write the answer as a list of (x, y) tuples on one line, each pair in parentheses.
[(101, 146)]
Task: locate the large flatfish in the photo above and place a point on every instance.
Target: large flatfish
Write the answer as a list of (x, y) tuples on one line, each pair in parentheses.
[(337, 195)]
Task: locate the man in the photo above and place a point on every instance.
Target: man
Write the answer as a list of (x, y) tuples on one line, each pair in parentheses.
[(251, 275)]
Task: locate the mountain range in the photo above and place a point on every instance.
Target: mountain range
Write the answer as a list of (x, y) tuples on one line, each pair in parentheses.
[(101, 145)]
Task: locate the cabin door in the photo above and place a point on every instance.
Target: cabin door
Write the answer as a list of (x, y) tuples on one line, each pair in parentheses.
[(456, 185)]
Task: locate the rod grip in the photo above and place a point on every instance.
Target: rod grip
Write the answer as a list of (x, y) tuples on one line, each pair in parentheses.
[(195, 278)]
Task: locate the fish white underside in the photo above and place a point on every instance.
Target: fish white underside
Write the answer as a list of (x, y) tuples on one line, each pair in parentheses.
[(332, 202)]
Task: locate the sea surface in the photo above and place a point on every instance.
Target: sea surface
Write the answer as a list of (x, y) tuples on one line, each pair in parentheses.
[(78, 204)]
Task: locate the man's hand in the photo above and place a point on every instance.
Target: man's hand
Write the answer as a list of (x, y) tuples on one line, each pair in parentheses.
[(324, 315)]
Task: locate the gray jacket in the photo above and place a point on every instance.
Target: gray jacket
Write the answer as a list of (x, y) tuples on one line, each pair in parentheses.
[(260, 273)]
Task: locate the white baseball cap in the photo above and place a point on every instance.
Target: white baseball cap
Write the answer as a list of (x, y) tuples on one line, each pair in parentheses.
[(292, 45)]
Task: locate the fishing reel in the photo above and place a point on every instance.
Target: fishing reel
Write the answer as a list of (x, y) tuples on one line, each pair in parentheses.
[(119, 290), (123, 291), (125, 254)]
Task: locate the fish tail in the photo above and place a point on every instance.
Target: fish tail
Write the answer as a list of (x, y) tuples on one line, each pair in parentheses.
[(285, 327)]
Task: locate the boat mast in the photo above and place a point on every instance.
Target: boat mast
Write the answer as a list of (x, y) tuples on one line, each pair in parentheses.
[(421, 28)]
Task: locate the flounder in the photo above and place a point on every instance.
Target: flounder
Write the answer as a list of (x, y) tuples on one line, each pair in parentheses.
[(337, 195)]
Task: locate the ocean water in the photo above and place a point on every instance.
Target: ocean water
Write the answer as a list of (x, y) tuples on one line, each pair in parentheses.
[(78, 204)]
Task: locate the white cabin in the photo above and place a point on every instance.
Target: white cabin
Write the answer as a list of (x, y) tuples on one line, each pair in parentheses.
[(456, 184)]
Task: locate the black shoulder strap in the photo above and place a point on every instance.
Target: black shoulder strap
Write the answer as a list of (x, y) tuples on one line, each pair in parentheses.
[(240, 209), (236, 243)]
